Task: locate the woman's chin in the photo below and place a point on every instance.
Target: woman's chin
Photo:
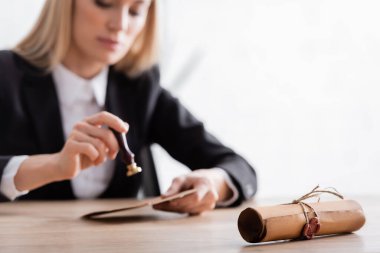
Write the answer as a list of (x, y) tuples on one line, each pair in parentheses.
[(110, 59)]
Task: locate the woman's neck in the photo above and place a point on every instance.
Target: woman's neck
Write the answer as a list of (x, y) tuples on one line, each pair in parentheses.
[(82, 66)]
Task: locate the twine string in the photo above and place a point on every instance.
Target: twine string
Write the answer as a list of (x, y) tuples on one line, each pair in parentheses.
[(315, 192)]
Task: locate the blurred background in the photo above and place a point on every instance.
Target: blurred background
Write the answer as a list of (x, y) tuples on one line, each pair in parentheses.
[(292, 85)]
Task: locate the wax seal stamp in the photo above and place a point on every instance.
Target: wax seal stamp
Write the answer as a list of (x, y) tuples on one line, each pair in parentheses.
[(126, 154)]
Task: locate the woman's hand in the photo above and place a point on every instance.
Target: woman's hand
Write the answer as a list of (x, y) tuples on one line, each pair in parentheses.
[(210, 185), (89, 144)]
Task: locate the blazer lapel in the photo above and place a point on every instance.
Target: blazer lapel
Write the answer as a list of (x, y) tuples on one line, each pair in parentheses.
[(120, 102), (42, 104), (123, 100)]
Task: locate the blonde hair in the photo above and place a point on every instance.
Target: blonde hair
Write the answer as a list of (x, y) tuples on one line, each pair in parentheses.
[(48, 42)]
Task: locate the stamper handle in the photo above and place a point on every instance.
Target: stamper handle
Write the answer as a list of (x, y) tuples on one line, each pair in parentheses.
[(127, 155)]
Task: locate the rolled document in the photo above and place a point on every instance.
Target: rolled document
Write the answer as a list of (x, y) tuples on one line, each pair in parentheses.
[(288, 221)]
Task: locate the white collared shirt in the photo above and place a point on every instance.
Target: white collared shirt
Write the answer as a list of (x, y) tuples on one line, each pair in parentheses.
[(78, 99)]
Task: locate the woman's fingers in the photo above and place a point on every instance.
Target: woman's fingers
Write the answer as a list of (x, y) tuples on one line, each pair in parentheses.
[(98, 144), (193, 204), (106, 118), (203, 199), (89, 144), (208, 203), (92, 126), (70, 158), (175, 187), (103, 134)]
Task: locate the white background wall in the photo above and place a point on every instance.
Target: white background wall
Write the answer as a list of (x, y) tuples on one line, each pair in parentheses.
[(292, 85)]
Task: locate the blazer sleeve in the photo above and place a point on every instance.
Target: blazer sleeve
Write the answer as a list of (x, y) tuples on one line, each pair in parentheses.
[(3, 162), (3, 159), (185, 138)]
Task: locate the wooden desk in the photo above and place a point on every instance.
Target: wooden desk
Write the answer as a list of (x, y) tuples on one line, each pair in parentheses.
[(58, 227)]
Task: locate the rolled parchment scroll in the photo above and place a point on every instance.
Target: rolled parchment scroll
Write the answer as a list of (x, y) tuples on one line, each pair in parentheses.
[(282, 222)]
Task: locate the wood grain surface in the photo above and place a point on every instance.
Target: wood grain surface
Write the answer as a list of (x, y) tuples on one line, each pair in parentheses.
[(58, 226)]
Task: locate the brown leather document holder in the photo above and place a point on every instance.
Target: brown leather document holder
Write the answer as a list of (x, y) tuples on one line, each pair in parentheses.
[(140, 204), (281, 222)]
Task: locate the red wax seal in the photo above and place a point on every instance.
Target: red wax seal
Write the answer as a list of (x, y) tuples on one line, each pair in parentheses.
[(311, 228)]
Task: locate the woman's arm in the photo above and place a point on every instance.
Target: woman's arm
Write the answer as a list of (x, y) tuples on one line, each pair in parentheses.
[(88, 145), (186, 139), (37, 171)]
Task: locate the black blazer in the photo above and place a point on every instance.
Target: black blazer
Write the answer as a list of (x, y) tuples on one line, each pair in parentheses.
[(31, 124)]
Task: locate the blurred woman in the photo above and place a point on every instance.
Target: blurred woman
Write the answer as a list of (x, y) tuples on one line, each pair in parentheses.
[(88, 66)]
